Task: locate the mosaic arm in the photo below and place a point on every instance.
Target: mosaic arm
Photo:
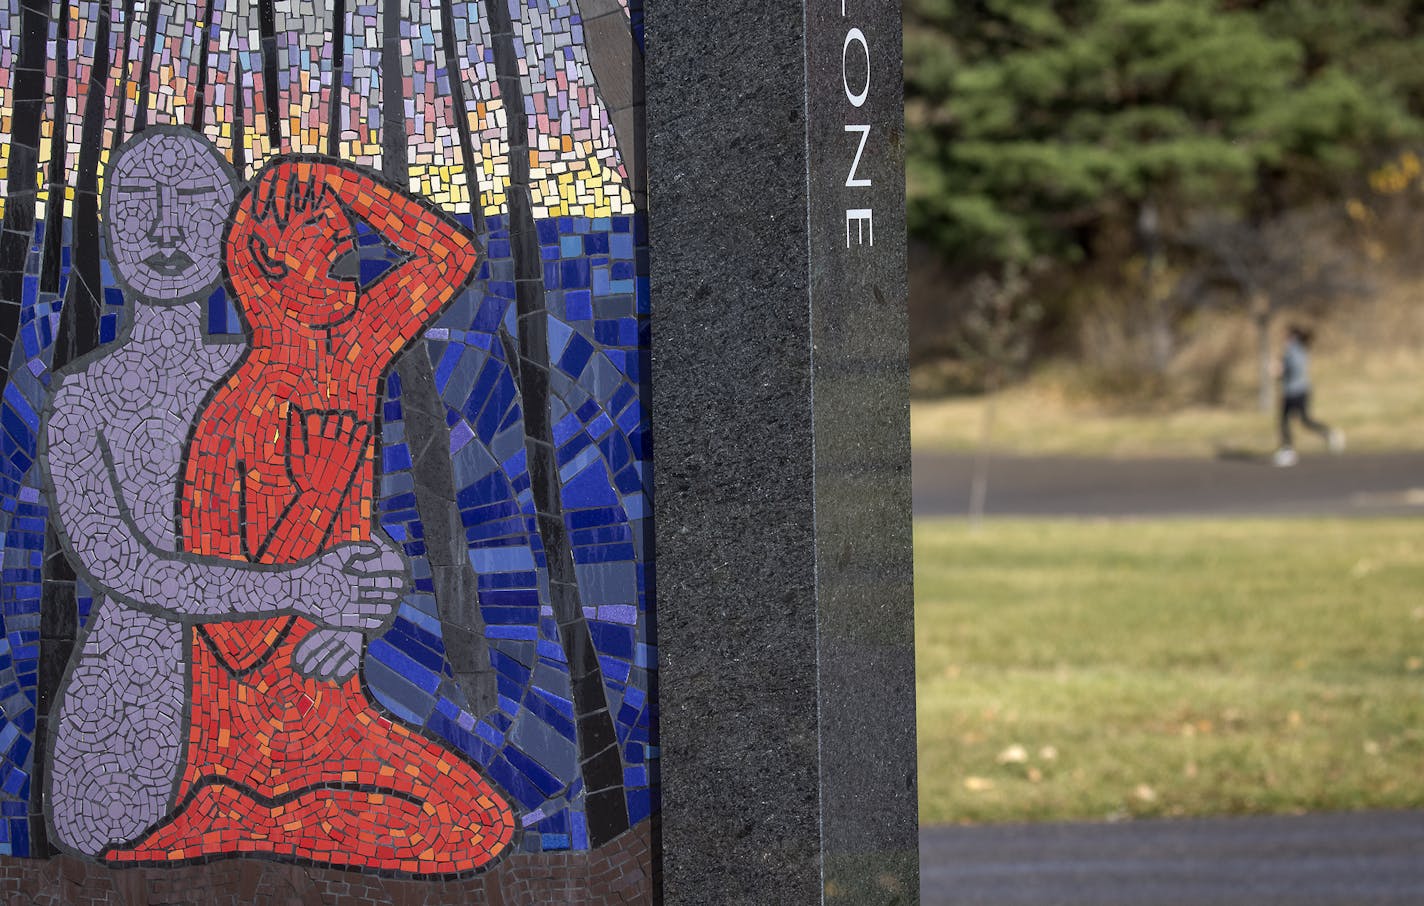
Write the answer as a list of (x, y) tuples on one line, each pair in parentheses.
[(354, 586), (440, 255)]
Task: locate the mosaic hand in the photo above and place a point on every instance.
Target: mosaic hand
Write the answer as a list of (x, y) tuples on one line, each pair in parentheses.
[(329, 654), (324, 448), (356, 586)]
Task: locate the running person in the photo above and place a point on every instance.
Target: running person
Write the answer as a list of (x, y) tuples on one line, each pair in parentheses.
[(1295, 397)]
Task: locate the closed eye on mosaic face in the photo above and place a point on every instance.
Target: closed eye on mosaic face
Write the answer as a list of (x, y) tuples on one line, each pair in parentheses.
[(186, 191)]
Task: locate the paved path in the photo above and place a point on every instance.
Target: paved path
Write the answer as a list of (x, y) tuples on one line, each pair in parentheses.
[(1372, 859), (1374, 484)]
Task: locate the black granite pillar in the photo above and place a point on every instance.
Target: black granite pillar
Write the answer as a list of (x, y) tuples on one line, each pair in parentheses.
[(780, 413)]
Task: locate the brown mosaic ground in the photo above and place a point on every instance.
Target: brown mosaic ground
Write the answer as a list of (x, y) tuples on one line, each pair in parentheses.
[(618, 874)]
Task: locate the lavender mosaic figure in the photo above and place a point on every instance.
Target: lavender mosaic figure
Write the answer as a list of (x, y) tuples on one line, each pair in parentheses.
[(112, 447)]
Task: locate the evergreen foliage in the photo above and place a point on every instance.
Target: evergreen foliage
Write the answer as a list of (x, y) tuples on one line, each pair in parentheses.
[(1037, 125)]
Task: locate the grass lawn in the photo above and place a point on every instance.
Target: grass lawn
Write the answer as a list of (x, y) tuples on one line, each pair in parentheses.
[(1092, 670), (1376, 398)]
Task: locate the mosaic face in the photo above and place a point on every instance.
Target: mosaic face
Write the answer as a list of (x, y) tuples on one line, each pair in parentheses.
[(294, 234), (165, 204)]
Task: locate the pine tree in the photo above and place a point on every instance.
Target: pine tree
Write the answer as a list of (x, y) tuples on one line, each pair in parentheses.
[(1035, 124)]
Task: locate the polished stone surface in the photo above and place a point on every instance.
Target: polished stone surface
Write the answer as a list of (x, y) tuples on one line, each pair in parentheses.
[(782, 482)]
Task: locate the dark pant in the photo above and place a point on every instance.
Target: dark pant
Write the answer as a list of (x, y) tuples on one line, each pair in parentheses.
[(1298, 405)]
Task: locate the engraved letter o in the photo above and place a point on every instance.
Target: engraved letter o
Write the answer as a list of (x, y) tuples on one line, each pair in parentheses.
[(855, 35)]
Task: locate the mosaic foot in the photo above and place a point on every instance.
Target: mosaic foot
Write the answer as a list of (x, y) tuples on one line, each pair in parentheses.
[(339, 827), (287, 765)]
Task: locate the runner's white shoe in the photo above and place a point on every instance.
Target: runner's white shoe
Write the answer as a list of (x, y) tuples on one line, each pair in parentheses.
[(1336, 440), (1285, 457)]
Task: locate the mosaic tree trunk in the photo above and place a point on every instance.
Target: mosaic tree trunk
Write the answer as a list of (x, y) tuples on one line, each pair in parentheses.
[(338, 74), (455, 584), (59, 621), (145, 66), (80, 316), (459, 107), (600, 763), (27, 110), (56, 184), (239, 124), (271, 97), (116, 128), (205, 44)]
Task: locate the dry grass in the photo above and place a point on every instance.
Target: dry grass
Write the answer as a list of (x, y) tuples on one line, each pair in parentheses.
[(1368, 374)]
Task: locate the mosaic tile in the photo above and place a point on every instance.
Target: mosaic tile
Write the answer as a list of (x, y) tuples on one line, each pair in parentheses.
[(223, 627)]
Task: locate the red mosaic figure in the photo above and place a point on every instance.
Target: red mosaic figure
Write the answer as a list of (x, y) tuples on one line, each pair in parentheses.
[(280, 468)]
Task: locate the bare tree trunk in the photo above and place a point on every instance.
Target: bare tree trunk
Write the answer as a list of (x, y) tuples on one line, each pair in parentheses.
[(456, 75), (57, 184), (146, 68), (428, 437), (456, 584), (205, 41), (600, 761), (59, 602), (271, 95), (1159, 326), (979, 484), (239, 124), (18, 231), (123, 90), (1261, 317), (79, 330), (338, 76)]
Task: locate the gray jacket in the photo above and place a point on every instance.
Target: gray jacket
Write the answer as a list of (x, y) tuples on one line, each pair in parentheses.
[(1295, 369)]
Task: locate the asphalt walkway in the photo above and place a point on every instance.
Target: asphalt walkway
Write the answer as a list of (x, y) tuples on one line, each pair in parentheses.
[(1366, 484), (1369, 859)]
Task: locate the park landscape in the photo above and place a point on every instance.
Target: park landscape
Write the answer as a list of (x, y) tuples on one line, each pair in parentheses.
[(1116, 209)]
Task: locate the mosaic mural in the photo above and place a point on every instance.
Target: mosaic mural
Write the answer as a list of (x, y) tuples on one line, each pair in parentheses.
[(324, 460)]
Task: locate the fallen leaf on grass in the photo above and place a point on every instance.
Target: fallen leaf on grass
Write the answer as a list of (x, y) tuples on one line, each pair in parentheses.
[(1048, 753), (978, 784), (1371, 747), (1014, 754), (1144, 793)]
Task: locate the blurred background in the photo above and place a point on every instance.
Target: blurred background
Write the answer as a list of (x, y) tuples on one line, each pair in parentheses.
[(1126, 609)]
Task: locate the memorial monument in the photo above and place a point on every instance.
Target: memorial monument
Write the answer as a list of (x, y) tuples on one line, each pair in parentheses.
[(338, 340)]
